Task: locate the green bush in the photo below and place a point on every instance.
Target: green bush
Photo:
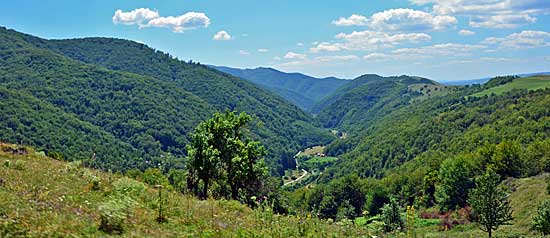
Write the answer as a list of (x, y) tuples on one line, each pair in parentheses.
[(112, 216), (128, 188), (391, 216), (541, 220), (95, 183), (18, 165)]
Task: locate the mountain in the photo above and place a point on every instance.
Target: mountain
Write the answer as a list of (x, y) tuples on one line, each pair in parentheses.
[(446, 126), (370, 96), (302, 90), (484, 80), (142, 96)]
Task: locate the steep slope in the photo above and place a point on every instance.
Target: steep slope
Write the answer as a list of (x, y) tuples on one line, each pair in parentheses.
[(450, 125), (366, 98), (146, 97), (25, 119), (42, 197), (300, 89)]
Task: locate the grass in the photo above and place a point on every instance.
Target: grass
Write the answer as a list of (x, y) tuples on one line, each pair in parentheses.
[(313, 150), (50, 198), (528, 83)]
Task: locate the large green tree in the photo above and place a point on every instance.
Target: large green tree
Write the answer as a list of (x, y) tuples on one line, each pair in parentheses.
[(220, 151), (489, 202), (455, 179)]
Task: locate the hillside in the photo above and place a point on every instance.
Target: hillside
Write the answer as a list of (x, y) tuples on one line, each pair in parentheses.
[(451, 125), (42, 197), (302, 90), (526, 83), (366, 98), (145, 98)]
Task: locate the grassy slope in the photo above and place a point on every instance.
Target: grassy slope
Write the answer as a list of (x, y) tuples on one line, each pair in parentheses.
[(529, 83), (49, 198), (526, 194)]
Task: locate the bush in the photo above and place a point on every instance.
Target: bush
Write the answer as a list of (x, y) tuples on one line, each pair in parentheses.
[(18, 165), (129, 188), (391, 216), (541, 220), (95, 183), (112, 215)]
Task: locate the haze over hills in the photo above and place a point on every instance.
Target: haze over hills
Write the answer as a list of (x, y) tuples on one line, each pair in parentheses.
[(302, 90)]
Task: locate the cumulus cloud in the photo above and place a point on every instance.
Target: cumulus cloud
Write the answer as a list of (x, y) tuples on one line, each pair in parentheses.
[(135, 17), (369, 40), (521, 40), (466, 33), (491, 13), (353, 20), (400, 19), (144, 17), (222, 35), (292, 55)]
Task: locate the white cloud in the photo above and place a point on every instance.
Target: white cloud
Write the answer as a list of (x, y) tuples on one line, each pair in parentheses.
[(244, 52), (292, 55), (521, 40), (144, 17), (502, 21), (136, 16), (300, 44), (187, 21), (353, 20), (448, 49), (332, 58), (369, 40), (491, 13), (222, 35), (400, 19), (377, 57), (466, 33), (263, 50)]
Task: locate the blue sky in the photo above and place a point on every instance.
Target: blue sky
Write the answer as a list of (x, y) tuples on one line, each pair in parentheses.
[(438, 39)]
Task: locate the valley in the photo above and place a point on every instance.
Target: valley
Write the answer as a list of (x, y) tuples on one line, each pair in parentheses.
[(111, 137)]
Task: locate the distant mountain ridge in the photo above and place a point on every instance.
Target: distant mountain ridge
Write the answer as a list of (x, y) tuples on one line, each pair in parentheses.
[(484, 80), (302, 90)]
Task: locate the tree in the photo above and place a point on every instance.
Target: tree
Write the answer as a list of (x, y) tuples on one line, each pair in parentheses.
[(490, 203), (541, 220), (391, 215), (219, 151), (454, 183)]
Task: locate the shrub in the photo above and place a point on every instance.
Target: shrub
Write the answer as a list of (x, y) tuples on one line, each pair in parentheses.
[(7, 163), (95, 183), (391, 216), (18, 165), (541, 220), (125, 187), (112, 215)]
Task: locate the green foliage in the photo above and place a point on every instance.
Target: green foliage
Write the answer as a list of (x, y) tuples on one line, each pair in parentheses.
[(501, 85), (541, 220), (302, 90), (123, 100), (455, 180), (221, 153), (112, 216), (18, 165), (154, 176), (127, 188), (391, 216), (489, 202)]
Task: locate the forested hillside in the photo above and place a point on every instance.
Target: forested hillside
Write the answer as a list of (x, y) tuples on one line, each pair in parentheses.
[(302, 90), (146, 98)]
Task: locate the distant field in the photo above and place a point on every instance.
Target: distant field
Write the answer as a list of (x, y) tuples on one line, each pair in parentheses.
[(529, 83), (313, 150)]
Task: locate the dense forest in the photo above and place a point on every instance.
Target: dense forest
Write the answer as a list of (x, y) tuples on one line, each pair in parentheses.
[(402, 154)]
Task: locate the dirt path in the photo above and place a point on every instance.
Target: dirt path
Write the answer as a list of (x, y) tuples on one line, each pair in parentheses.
[(304, 174)]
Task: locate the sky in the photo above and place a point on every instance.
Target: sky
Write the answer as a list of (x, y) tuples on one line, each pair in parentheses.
[(444, 40)]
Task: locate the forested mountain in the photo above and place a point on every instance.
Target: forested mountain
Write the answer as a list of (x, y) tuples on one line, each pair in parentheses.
[(447, 125), (302, 90), (144, 97), (353, 106)]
